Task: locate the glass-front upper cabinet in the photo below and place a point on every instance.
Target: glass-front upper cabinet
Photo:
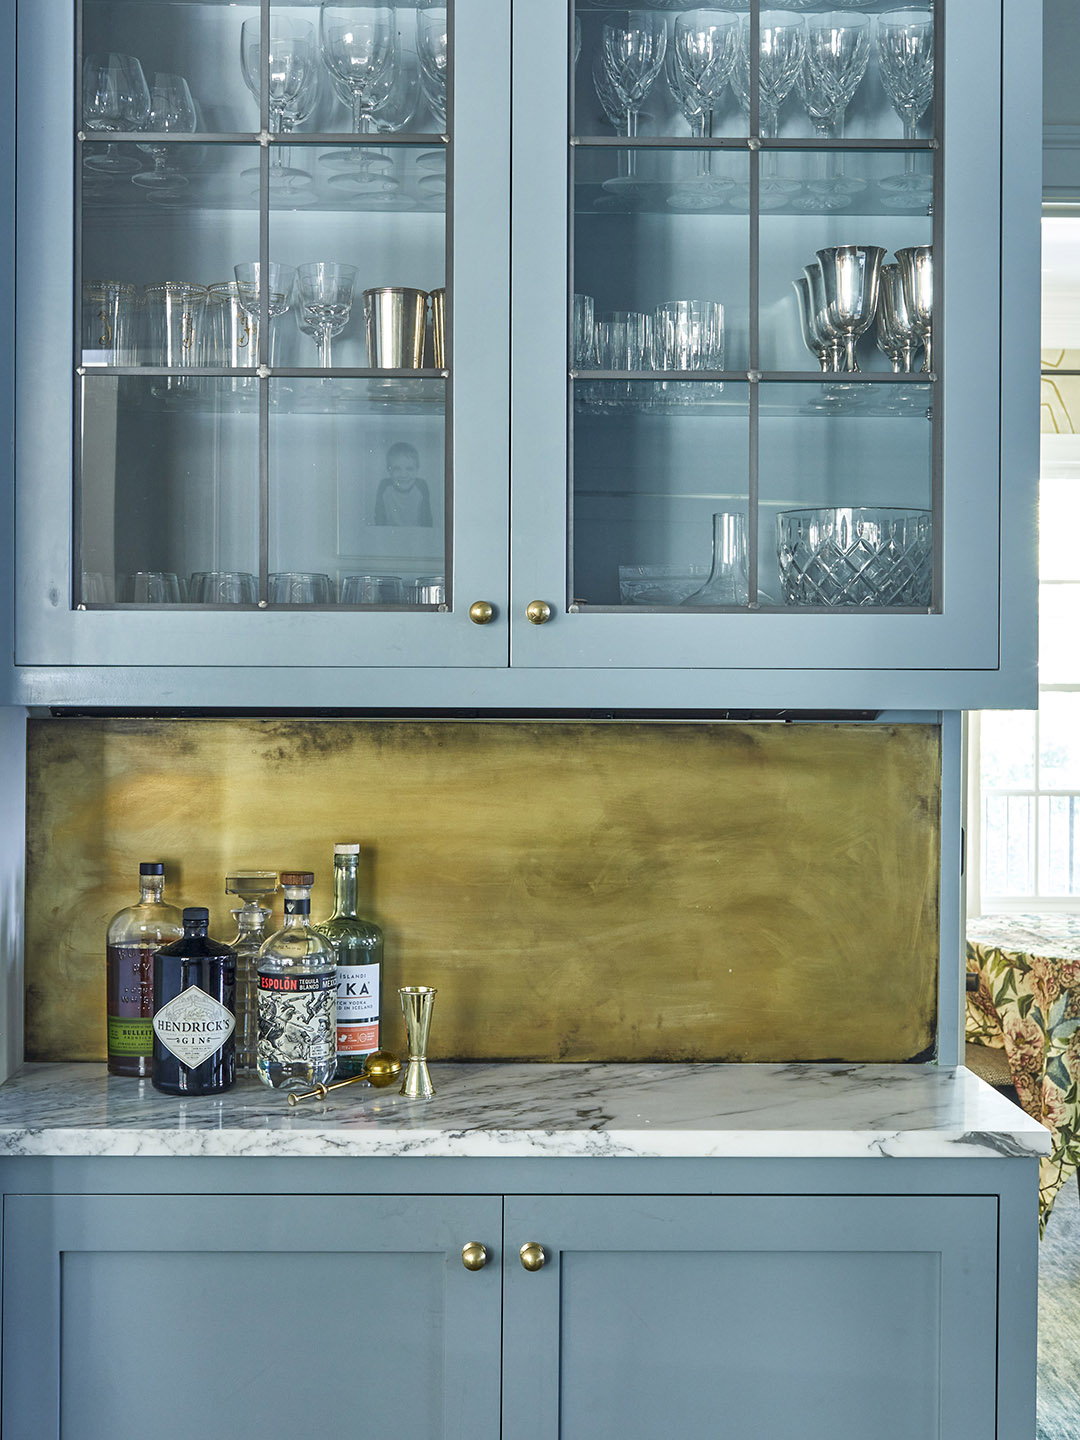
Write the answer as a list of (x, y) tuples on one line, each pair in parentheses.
[(777, 356), (280, 221)]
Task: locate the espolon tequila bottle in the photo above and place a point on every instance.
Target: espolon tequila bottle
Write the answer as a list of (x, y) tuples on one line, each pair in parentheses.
[(297, 979), (134, 937), (358, 949)]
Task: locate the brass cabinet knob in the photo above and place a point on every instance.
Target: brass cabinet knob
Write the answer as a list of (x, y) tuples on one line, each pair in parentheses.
[(532, 1256), (538, 613), (474, 1256), (481, 612)]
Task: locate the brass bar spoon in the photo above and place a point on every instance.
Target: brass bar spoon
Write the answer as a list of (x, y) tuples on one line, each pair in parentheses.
[(380, 1069)]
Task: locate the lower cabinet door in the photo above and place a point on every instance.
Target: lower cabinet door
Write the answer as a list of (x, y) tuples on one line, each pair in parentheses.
[(279, 1317), (751, 1317)]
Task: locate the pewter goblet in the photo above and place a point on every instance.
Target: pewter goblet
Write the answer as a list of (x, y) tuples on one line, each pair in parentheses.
[(897, 335), (851, 274), (916, 264)]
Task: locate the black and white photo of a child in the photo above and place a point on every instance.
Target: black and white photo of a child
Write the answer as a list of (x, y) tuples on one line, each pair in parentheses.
[(403, 497)]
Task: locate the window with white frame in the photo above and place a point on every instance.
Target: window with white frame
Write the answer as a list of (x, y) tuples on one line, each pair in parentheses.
[(1026, 764)]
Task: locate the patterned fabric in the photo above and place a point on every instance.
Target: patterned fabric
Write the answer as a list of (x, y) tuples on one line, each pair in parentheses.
[(1028, 1003)]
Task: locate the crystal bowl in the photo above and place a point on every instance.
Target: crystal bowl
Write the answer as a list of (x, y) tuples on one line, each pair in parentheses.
[(855, 556)]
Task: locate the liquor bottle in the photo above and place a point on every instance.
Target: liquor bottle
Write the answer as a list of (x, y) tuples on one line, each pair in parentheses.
[(134, 937), (358, 950), (297, 979), (194, 1016), (253, 887)]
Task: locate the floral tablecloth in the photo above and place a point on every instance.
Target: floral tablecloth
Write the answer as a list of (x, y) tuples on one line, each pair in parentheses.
[(1028, 1003)]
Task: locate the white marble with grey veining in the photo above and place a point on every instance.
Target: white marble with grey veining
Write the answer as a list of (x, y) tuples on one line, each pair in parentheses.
[(490, 1110)]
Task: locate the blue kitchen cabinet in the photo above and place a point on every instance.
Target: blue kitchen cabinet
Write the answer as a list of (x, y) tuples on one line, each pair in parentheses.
[(781, 1299), (550, 558)]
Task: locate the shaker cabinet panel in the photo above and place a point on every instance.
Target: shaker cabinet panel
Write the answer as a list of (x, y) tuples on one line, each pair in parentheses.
[(237, 1315), (811, 1316)]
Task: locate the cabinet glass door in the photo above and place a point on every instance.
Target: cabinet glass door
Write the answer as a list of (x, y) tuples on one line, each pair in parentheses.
[(266, 394), (753, 338)]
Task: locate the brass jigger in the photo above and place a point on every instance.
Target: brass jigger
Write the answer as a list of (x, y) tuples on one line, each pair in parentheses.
[(416, 1005), (380, 1069)]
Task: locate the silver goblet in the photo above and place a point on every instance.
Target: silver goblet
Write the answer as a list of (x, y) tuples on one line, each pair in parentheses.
[(898, 336), (916, 264), (831, 337), (851, 274), (812, 337)]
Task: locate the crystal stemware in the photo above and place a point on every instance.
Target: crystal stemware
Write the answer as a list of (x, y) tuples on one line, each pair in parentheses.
[(116, 99), (782, 46), (325, 292), (851, 274), (252, 286), (633, 54), (704, 43), (904, 41), (172, 110), (837, 54)]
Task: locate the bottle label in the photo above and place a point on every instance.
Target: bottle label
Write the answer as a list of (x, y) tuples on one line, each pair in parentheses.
[(193, 1026), (297, 1018), (357, 1009), (130, 1037)]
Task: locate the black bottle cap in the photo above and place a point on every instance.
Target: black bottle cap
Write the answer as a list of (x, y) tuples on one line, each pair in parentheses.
[(151, 867), (196, 915)]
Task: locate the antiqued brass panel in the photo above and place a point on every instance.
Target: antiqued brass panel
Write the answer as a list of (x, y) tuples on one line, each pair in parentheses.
[(576, 891)]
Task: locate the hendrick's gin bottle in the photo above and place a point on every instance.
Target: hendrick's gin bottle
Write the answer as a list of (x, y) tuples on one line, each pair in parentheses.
[(194, 1012)]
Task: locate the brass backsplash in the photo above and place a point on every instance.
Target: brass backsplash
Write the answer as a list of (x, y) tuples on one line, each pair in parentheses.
[(575, 890)]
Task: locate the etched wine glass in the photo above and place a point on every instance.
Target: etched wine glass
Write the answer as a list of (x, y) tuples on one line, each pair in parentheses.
[(172, 111), (115, 99), (904, 41), (325, 294), (633, 54), (278, 284), (781, 48)]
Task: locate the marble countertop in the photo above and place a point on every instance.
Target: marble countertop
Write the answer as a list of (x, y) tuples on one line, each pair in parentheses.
[(488, 1110)]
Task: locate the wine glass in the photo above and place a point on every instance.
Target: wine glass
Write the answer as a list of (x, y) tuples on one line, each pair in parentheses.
[(704, 43), (837, 54), (115, 98), (252, 285), (904, 41), (357, 44), (633, 54), (291, 68), (325, 292), (171, 110), (396, 98), (433, 48), (700, 61), (781, 48)]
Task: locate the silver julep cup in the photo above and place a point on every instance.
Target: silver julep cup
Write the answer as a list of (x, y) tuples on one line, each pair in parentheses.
[(396, 319)]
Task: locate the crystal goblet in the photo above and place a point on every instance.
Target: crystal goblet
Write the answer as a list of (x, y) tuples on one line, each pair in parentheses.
[(115, 99), (904, 41), (325, 292), (172, 110)]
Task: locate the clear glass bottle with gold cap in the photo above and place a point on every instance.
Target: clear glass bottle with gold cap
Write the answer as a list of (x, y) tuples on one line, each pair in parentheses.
[(297, 981), (358, 946)]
